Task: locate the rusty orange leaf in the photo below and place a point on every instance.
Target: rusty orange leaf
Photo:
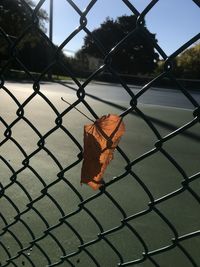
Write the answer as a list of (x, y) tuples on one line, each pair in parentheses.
[(100, 140)]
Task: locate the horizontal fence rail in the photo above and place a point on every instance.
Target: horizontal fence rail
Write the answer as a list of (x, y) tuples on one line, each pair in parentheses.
[(47, 218)]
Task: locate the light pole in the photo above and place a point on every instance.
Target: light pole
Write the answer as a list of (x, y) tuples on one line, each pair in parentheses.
[(51, 20), (50, 31)]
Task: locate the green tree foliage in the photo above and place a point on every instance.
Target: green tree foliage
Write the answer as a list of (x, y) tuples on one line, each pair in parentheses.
[(16, 18), (16, 15), (188, 63), (136, 55)]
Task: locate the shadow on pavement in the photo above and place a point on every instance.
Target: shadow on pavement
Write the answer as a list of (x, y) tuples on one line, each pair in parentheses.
[(156, 121)]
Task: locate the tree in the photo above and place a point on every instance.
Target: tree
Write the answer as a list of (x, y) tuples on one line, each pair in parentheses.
[(15, 17), (188, 63), (136, 55)]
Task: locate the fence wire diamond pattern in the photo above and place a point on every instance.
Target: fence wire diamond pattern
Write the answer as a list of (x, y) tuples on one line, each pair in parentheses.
[(47, 218)]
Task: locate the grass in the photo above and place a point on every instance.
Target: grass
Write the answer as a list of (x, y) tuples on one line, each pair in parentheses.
[(20, 75), (158, 174)]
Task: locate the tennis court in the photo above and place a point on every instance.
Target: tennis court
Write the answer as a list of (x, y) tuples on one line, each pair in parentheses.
[(64, 223)]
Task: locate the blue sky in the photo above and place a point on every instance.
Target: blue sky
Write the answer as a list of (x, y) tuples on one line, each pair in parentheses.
[(173, 21)]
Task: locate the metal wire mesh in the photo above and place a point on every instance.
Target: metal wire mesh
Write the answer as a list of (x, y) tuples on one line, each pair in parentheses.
[(38, 229)]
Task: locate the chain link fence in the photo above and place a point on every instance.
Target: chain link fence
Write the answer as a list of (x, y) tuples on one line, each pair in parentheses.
[(146, 214)]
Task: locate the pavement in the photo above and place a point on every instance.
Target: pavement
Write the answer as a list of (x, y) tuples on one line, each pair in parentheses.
[(156, 172)]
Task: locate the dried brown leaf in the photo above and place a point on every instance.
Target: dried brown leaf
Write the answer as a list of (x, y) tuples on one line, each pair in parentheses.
[(100, 140)]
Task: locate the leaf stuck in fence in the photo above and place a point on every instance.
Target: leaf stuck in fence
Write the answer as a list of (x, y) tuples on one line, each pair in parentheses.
[(100, 140)]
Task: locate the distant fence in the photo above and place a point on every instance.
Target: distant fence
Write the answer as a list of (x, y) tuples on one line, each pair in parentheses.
[(141, 80), (41, 226), (190, 84)]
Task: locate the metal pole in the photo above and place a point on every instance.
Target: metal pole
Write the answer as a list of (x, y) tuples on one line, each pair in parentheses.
[(51, 21), (50, 31)]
